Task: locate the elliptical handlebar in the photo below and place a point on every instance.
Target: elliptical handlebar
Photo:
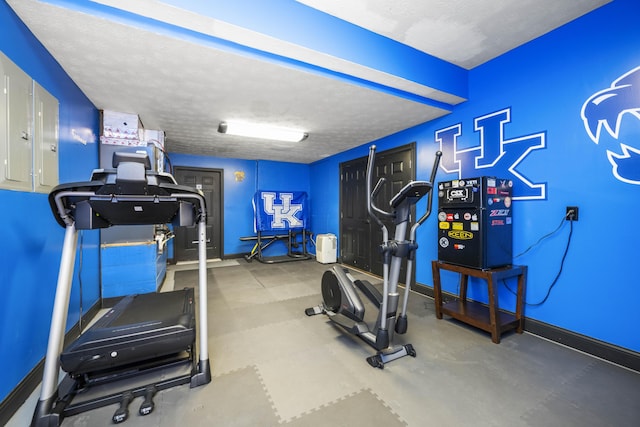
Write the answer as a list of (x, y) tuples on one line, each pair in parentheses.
[(372, 209), (377, 188), (432, 179), (371, 206)]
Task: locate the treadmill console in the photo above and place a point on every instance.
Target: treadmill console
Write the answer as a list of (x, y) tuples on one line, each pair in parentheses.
[(129, 194)]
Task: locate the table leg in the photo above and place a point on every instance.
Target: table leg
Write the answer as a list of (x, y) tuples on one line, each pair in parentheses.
[(464, 281), (522, 280), (437, 290), (493, 315)]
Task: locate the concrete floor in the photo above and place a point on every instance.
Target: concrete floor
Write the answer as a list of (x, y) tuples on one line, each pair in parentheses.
[(274, 366)]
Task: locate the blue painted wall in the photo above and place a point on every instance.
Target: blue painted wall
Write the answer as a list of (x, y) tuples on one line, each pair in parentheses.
[(242, 178), (543, 85), (32, 239)]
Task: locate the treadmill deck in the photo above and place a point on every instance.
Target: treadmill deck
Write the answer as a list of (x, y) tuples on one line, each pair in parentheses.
[(138, 328)]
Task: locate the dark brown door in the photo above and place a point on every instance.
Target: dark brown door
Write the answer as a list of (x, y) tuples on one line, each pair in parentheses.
[(209, 181), (354, 220), (361, 236), (396, 166)]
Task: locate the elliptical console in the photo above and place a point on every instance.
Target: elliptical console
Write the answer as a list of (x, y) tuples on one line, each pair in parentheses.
[(342, 303)]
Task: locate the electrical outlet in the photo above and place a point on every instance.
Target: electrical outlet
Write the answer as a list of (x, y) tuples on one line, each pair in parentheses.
[(571, 213)]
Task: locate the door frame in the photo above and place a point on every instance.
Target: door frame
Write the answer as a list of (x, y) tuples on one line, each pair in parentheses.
[(221, 220), (412, 149)]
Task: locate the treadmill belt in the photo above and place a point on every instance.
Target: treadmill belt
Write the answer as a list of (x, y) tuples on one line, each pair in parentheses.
[(137, 329), (152, 306)]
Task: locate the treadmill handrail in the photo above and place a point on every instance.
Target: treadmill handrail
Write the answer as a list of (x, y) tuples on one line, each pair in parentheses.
[(64, 213)]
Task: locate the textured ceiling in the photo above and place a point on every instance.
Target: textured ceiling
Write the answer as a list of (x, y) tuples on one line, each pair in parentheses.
[(464, 32), (182, 83)]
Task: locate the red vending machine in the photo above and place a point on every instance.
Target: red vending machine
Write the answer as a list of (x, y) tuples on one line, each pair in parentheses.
[(475, 222)]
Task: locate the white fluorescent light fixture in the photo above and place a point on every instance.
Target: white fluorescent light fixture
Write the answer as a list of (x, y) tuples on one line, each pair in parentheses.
[(253, 130)]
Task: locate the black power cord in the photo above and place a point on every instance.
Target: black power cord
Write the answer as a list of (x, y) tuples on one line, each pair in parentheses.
[(564, 256), (564, 218)]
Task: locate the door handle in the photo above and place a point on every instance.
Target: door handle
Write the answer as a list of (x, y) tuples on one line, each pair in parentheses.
[(196, 241)]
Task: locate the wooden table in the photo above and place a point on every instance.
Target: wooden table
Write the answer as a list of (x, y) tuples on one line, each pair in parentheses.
[(486, 317)]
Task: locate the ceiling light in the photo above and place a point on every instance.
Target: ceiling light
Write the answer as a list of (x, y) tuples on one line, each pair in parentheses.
[(253, 130)]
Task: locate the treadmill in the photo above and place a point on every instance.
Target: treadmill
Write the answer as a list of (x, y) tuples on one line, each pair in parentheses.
[(146, 342)]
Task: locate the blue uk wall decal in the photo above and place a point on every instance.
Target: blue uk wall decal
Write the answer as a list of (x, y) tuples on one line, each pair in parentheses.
[(607, 109), (494, 151)]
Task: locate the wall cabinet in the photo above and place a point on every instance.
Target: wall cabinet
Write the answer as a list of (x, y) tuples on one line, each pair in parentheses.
[(28, 132)]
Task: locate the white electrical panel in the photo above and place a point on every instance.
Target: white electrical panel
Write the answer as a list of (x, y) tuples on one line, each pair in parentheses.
[(45, 138), (28, 132), (16, 130)]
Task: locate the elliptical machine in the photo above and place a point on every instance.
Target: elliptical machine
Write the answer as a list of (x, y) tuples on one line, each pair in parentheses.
[(341, 302)]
